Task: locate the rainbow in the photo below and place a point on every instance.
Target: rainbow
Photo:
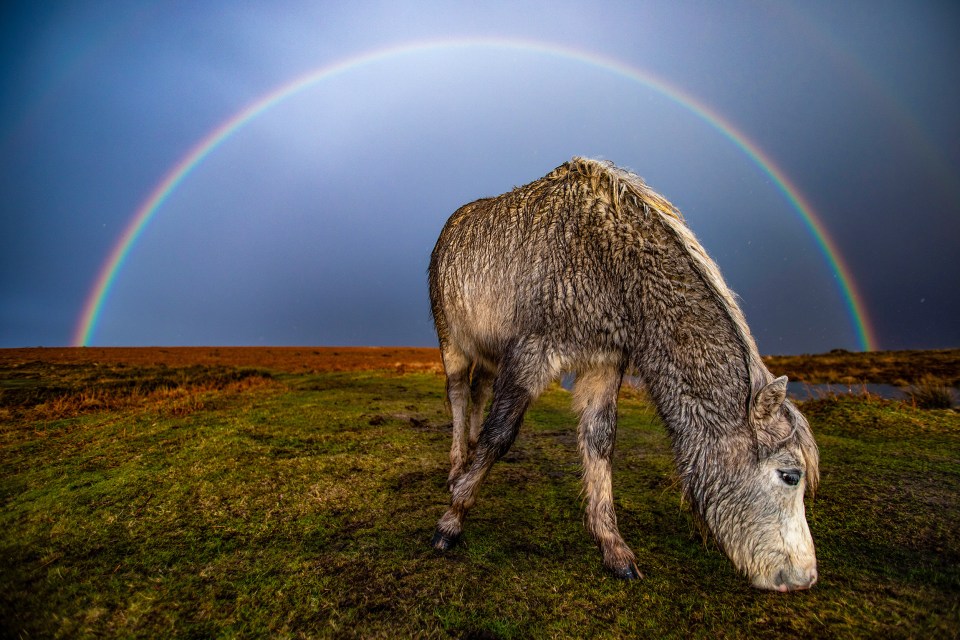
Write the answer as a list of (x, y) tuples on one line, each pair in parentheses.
[(99, 293)]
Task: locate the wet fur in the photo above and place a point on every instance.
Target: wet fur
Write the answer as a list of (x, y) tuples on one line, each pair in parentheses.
[(589, 270)]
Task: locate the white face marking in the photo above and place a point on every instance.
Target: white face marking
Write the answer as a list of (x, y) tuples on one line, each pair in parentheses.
[(790, 534)]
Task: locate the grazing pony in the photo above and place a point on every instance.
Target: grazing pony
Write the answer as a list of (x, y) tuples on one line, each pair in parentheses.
[(589, 270)]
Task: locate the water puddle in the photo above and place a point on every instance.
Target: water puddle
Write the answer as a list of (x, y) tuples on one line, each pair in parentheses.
[(805, 391)]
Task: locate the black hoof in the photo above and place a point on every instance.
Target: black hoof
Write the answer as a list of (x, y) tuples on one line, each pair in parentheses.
[(629, 572), (443, 542)]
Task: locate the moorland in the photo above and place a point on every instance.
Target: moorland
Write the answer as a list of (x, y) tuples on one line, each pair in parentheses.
[(292, 492)]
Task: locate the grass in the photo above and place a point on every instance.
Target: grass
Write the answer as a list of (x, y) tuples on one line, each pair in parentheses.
[(302, 505), (930, 392)]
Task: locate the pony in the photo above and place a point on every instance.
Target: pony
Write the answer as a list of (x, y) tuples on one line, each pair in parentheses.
[(589, 270)]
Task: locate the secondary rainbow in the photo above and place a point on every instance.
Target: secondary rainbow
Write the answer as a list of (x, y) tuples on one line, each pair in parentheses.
[(99, 293)]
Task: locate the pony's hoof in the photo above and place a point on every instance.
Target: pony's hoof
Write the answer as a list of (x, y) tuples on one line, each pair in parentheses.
[(442, 542), (627, 572)]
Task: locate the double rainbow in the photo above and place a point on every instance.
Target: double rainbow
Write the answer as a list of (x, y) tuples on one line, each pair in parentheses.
[(99, 293)]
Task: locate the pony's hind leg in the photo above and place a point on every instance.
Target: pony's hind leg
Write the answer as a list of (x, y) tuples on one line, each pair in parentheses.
[(481, 388), (457, 367), (595, 398), (519, 381)]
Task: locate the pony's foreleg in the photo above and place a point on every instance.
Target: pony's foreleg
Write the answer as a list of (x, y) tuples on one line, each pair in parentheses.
[(595, 398)]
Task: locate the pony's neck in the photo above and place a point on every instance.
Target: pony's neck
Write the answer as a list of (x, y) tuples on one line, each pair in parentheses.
[(703, 401), (698, 364), (695, 350), (706, 394)]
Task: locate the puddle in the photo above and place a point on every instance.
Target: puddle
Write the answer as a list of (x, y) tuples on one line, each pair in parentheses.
[(804, 391)]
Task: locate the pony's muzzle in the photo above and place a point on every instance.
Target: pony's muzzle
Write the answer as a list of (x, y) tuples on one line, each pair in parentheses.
[(792, 580)]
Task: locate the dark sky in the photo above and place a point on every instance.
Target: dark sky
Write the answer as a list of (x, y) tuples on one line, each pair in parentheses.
[(312, 223)]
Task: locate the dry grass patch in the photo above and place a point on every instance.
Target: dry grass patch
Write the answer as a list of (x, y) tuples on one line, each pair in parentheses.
[(898, 368)]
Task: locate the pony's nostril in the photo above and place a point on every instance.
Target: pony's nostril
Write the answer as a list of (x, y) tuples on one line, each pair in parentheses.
[(793, 581), (780, 580)]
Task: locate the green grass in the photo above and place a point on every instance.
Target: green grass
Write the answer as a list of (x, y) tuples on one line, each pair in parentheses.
[(303, 506)]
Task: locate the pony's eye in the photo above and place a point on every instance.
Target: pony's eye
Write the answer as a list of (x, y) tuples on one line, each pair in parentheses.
[(790, 476)]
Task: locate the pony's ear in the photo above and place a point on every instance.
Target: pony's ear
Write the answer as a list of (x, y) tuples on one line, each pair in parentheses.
[(767, 401)]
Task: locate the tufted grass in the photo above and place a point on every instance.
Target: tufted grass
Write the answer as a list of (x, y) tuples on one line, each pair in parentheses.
[(302, 506)]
